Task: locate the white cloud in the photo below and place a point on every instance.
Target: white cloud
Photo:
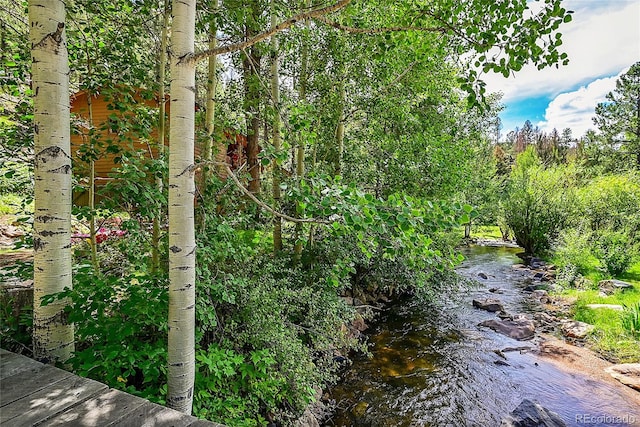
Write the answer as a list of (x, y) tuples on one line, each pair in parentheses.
[(575, 109), (602, 39)]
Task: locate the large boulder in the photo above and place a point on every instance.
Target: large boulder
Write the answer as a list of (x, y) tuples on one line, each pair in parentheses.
[(627, 373), (531, 414), (489, 304), (608, 287), (519, 328)]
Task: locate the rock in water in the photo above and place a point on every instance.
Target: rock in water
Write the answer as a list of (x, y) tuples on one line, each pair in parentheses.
[(531, 414), (488, 304), (519, 329), (627, 373), (483, 275)]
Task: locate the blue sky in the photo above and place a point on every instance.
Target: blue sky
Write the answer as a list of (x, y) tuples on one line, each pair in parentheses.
[(602, 41)]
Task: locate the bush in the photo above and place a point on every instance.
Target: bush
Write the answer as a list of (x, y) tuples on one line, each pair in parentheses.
[(573, 250), (121, 326), (612, 202), (16, 178), (615, 251), (538, 204)]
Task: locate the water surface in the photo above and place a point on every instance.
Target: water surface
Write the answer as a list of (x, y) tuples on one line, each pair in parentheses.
[(432, 365)]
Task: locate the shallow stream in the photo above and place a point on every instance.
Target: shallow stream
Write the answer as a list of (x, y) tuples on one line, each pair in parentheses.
[(433, 366)]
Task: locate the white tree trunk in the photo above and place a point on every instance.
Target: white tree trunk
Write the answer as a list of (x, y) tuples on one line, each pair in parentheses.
[(52, 336), (182, 244)]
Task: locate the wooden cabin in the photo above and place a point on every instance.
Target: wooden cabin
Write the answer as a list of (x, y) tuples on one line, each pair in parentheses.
[(124, 120)]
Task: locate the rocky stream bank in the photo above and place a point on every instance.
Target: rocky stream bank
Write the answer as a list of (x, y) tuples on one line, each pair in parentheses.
[(446, 365)]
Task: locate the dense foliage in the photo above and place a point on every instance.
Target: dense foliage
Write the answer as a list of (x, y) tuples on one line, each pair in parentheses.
[(387, 147)]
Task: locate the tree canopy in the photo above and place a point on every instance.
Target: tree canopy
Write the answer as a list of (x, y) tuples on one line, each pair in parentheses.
[(359, 124)]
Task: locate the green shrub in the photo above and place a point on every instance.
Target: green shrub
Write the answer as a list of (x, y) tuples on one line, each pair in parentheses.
[(615, 251), (16, 178), (612, 202), (538, 204), (235, 388), (567, 276), (16, 326), (121, 326), (573, 250)]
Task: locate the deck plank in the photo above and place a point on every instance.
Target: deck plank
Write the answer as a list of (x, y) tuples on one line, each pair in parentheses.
[(11, 364), (29, 381), (152, 415), (35, 394), (99, 411), (43, 404)]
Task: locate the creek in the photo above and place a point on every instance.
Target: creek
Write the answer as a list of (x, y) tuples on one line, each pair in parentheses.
[(432, 365)]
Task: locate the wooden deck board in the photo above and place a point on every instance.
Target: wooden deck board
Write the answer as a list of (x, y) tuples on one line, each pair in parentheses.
[(43, 404), (151, 415), (33, 394), (101, 410), (29, 381), (11, 364)]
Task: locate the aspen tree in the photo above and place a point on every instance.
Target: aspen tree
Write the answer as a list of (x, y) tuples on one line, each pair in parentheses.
[(182, 244), (52, 335)]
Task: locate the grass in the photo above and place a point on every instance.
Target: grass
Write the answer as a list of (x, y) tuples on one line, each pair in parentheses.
[(490, 232), (609, 338)]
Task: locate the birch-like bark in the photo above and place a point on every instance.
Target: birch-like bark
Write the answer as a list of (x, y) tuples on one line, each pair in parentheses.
[(182, 245), (52, 335), (277, 143)]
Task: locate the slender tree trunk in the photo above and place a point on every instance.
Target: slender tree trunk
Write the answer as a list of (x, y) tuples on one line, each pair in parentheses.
[(302, 91), (211, 145), (277, 143), (252, 99), (92, 184), (162, 61), (52, 335), (182, 245), (251, 68), (340, 128), (93, 242)]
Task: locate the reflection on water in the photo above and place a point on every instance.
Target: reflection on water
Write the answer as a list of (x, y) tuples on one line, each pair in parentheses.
[(433, 366)]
